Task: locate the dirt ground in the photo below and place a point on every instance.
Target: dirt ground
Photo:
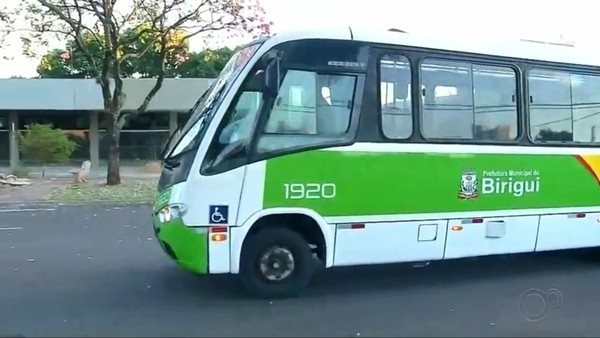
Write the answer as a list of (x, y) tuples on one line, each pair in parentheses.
[(32, 193), (93, 191)]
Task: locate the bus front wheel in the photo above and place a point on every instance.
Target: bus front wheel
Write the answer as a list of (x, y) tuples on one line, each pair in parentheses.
[(276, 263)]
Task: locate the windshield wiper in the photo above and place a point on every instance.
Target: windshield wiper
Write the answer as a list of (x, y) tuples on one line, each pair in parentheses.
[(214, 100), (208, 90)]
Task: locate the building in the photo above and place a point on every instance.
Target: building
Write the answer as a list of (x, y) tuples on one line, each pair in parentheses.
[(75, 106)]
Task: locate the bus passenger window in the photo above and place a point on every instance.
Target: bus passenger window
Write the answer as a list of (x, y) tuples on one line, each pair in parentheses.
[(396, 105), (550, 105), (448, 105), (310, 109), (586, 108), (469, 102), (495, 100), (564, 106)]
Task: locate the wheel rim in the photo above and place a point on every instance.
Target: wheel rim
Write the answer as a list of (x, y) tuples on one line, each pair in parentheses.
[(276, 264)]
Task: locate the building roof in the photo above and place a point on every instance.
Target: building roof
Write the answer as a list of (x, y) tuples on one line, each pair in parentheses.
[(85, 94)]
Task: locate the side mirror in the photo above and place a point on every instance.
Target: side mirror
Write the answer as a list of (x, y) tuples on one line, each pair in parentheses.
[(271, 77), (256, 83)]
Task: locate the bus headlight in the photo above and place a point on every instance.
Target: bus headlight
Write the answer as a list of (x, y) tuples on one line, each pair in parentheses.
[(171, 212)]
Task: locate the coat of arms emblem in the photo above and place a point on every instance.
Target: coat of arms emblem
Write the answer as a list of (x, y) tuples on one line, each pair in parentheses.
[(468, 185)]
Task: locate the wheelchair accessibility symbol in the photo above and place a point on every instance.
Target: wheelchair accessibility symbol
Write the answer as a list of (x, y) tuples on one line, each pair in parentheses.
[(535, 304), (218, 214)]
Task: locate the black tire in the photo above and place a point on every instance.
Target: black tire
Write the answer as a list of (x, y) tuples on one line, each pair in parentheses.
[(253, 280)]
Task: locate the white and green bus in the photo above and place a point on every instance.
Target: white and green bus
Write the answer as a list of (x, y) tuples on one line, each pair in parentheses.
[(352, 147)]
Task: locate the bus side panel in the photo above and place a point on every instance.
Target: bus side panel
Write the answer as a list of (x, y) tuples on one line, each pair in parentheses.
[(491, 236), (251, 200), (213, 201), (568, 231), (251, 203), (389, 242)]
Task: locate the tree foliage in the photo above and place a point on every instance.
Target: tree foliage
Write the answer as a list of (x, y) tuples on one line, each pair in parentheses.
[(44, 143), (110, 38), (207, 63), (72, 62), (6, 26), (3, 22), (59, 63)]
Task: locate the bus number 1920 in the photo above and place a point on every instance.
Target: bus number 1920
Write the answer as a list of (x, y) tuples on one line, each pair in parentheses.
[(298, 191)]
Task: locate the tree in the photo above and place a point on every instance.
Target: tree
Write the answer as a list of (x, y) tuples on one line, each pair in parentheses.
[(111, 36), (3, 23), (207, 63), (59, 63), (56, 64), (68, 62), (6, 23)]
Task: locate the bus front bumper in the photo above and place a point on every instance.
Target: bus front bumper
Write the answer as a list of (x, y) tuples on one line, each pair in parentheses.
[(187, 246)]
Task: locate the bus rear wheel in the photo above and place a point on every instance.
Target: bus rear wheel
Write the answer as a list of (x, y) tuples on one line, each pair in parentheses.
[(276, 263)]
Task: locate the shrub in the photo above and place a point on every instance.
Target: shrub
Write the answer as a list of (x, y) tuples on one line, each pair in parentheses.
[(46, 144)]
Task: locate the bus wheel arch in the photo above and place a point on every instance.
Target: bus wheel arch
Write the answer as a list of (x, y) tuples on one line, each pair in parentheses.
[(310, 225), (303, 224)]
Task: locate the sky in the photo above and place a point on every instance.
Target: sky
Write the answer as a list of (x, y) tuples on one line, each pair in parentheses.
[(533, 19)]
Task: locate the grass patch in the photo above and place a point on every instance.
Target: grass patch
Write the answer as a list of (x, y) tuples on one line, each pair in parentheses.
[(130, 192)]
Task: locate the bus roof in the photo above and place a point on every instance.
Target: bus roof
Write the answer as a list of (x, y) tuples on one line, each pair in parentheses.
[(511, 48)]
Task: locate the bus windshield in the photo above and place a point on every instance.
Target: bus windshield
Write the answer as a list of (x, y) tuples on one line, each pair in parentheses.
[(205, 107), (173, 138)]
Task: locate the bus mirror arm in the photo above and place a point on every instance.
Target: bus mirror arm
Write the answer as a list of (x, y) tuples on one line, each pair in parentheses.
[(271, 78)]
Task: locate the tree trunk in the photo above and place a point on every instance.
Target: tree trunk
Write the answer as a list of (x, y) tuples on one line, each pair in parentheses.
[(113, 175)]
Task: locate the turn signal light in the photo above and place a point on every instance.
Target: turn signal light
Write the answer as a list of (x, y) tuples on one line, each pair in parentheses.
[(219, 237)]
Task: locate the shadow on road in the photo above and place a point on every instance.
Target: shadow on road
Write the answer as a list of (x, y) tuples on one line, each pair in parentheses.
[(365, 279)]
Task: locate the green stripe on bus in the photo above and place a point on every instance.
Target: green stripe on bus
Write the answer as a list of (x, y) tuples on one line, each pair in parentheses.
[(379, 183), (190, 245)]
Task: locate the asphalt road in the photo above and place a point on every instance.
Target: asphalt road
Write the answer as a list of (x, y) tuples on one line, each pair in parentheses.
[(97, 271)]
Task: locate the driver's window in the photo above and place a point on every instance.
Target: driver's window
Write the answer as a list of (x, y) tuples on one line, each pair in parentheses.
[(239, 126), (310, 109)]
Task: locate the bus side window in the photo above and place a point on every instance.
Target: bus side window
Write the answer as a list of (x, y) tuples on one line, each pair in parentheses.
[(448, 112), (240, 118), (396, 107), (310, 109), (495, 98), (550, 106), (564, 106), (470, 102), (586, 101)]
